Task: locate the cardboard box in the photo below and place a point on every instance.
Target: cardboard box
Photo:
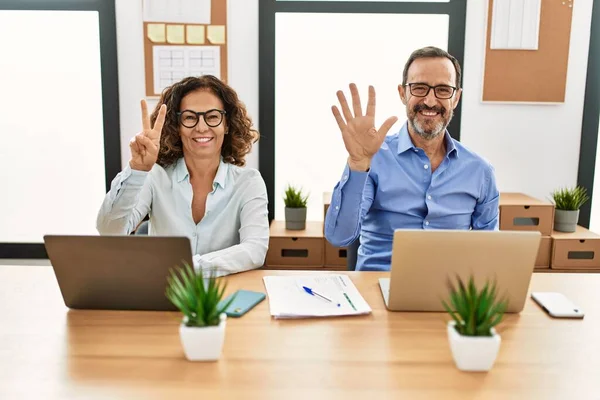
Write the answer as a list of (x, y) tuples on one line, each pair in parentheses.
[(296, 248), (335, 256), (577, 250), (519, 212), (544, 253), (326, 202)]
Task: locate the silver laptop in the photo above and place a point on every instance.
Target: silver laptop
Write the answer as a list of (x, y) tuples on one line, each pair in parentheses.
[(424, 260), (116, 272)]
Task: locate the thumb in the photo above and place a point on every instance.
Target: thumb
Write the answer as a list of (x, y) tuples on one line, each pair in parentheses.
[(133, 145), (387, 125)]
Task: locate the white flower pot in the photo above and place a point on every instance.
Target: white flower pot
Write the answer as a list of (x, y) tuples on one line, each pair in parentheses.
[(473, 353), (203, 343)]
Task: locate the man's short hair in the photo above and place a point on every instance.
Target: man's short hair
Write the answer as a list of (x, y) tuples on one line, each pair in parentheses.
[(431, 52)]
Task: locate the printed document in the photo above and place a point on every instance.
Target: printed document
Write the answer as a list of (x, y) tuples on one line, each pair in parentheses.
[(333, 295)]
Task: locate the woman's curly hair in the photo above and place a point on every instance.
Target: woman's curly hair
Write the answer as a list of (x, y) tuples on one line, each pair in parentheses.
[(236, 144)]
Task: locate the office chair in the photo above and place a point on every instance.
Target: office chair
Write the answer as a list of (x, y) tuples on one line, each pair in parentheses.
[(351, 254), (142, 228)]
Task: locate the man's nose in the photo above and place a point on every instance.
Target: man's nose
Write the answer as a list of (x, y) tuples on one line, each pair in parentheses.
[(430, 99)]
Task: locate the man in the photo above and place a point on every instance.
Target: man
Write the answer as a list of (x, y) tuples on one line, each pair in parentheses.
[(419, 178)]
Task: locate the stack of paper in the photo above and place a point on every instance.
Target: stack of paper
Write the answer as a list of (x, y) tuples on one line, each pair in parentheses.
[(333, 295)]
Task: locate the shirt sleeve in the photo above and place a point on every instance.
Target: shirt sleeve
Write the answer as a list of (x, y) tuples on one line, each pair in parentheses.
[(487, 210), (126, 204), (351, 200), (254, 236)]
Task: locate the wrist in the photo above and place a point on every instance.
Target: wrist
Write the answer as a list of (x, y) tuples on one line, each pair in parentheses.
[(362, 165), (136, 167)]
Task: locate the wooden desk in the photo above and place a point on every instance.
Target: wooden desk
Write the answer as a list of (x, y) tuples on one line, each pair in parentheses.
[(49, 352)]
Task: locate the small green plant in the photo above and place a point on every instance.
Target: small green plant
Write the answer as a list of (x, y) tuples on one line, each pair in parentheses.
[(570, 198), (197, 297), (294, 198), (475, 312)]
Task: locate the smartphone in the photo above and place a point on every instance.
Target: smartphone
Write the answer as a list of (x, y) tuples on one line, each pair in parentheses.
[(557, 305), (243, 302)]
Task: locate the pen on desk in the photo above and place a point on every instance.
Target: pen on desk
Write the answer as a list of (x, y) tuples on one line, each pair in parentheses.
[(313, 293)]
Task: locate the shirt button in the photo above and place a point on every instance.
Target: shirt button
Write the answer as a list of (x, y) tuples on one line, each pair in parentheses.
[(426, 222), (425, 166), (416, 151), (428, 197), (337, 207), (345, 177), (194, 234)]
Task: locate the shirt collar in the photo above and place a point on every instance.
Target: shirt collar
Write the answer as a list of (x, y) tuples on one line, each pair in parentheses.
[(181, 172), (450, 145), (221, 177), (405, 143)]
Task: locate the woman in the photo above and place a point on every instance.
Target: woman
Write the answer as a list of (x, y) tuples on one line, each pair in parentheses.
[(185, 173)]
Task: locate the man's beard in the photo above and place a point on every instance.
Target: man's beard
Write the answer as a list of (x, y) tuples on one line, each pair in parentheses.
[(430, 130)]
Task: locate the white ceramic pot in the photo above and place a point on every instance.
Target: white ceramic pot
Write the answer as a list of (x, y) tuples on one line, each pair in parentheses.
[(203, 344), (473, 353)]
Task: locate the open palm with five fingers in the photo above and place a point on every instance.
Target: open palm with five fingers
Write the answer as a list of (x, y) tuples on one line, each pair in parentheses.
[(145, 145), (361, 138)]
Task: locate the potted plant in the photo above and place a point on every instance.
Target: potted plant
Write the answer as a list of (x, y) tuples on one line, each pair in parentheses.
[(202, 330), (567, 202), (473, 340), (295, 208)]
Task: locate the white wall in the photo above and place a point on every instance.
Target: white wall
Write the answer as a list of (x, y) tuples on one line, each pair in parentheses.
[(242, 64), (305, 89), (534, 148)]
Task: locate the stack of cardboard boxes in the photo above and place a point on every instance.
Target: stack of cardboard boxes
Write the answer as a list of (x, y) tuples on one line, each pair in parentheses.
[(306, 249), (519, 212), (580, 250), (558, 250), (295, 249)]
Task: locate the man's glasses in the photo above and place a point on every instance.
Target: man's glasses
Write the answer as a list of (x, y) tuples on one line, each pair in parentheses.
[(440, 91), (189, 118)]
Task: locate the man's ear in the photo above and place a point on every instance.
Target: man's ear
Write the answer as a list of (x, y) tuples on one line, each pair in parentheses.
[(402, 92)]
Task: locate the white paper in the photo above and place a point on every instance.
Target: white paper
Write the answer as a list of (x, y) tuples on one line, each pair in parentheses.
[(288, 299), (179, 11), (515, 24), (173, 63), (531, 25)]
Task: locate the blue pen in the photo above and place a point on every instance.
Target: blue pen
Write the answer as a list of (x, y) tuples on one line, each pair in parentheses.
[(313, 293)]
